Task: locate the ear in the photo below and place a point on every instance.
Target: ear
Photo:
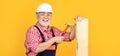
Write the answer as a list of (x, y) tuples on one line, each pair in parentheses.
[(37, 16)]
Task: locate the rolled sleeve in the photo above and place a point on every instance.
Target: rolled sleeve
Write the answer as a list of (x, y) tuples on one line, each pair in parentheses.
[(67, 36), (58, 32)]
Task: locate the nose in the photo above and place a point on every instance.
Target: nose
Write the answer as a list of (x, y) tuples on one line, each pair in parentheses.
[(45, 16)]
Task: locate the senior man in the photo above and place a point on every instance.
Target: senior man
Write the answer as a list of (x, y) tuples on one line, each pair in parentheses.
[(41, 38)]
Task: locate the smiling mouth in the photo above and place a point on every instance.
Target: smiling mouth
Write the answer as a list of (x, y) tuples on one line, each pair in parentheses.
[(45, 20)]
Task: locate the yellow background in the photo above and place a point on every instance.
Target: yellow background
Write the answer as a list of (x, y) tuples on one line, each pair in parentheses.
[(16, 16)]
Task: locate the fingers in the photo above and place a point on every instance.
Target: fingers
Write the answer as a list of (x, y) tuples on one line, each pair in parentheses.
[(78, 18), (62, 37), (59, 39)]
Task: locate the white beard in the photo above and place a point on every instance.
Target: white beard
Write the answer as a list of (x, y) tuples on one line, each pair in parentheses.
[(44, 22)]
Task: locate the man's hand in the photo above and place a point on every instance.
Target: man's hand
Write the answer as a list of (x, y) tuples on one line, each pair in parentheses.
[(78, 18), (58, 39), (43, 46)]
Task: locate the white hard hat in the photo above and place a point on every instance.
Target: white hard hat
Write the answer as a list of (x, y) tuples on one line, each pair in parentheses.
[(44, 7)]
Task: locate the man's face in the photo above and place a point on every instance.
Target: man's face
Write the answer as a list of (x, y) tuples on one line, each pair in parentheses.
[(44, 18)]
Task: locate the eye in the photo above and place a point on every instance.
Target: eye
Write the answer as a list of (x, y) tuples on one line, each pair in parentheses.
[(48, 14)]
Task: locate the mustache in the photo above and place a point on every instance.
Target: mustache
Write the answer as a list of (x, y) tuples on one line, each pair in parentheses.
[(45, 20)]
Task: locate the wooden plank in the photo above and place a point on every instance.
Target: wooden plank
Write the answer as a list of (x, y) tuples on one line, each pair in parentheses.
[(82, 38)]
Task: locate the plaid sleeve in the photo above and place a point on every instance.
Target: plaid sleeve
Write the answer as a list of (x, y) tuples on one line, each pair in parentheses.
[(32, 39)]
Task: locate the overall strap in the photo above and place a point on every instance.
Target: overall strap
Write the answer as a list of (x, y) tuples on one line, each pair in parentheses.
[(43, 38), (53, 35)]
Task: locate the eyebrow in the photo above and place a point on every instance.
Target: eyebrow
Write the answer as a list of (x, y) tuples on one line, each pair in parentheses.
[(50, 12)]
